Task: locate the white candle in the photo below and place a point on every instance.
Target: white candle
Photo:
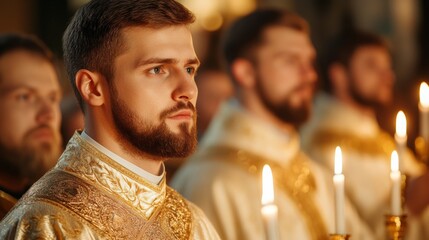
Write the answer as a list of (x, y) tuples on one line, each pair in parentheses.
[(269, 209), (401, 136), (340, 226), (395, 176), (424, 111)]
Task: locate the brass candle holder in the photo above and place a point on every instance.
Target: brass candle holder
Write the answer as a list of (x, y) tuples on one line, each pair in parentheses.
[(396, 227), (339, 236)]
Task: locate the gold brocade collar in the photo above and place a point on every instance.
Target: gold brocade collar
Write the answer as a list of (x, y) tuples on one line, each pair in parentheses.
[(234, 127), (83, 160)]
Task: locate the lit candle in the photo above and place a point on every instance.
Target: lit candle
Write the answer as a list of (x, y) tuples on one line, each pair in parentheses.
[(340, 226), (401, 135), (424, 111), (395, 176), (269, 208)]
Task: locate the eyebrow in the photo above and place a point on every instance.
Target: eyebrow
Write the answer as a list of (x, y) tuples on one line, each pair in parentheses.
[(165, 61), (12, 88)]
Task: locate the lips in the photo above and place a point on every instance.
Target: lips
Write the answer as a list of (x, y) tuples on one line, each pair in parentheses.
[(182, 114), (42, 133)]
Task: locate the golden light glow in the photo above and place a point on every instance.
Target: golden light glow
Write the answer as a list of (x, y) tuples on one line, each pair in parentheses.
[(212, 22), (424, 95), (241, 7), (267, 185), (338, 161), (401, 125), (394, 162)]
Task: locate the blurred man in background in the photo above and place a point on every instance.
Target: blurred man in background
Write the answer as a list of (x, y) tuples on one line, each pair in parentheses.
[(30, 94), (359, 81)]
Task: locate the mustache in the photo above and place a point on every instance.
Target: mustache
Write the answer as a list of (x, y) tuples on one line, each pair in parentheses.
[(179, 106), (41, 127), (305, 85)]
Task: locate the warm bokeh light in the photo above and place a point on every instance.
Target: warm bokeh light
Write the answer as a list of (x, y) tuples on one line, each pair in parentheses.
[(424, 95), (241, 7), (267, 185), (338, 161), (394, 162), (401, 125), (212, 22)]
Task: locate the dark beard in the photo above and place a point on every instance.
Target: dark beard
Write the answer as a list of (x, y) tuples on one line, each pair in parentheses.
[(28, 161), (156, 141), (284, 111), (362, 100)]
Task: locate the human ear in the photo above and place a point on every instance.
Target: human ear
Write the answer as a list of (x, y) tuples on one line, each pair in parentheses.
[(243, 72), (89, 85), (338, 77)]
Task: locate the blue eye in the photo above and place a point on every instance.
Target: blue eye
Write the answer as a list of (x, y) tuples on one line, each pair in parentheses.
[(155, 70)]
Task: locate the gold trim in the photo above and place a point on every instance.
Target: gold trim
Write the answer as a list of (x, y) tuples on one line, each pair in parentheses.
[(107, 215), (382, 144), (83, 160), (295, 179)]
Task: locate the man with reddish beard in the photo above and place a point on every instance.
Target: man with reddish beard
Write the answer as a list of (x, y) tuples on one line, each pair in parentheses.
[(30, 93), (132, 65), (270, 58)]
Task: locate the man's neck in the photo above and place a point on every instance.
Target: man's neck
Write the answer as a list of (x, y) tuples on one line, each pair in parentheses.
[(365, 110), (13, 185), (257, 109)]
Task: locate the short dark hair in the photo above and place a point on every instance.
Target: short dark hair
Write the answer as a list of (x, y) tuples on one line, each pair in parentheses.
[(16, 41), (246, 34), (344, 47), (93, 38)]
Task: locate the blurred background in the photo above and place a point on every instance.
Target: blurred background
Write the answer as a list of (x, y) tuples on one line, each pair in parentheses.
[(404, 23)]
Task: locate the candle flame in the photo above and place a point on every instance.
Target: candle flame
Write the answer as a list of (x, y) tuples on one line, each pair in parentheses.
[(267, 185), (401, 125), (424, 95), (394, 162), (338, 161)]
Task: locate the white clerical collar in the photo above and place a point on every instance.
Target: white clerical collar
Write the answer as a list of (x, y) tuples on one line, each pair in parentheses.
[(130, 166)]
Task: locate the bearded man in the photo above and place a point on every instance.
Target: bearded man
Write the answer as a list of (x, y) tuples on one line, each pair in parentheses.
[(270, 58), (30, 95), (132, 65), (358, 80)]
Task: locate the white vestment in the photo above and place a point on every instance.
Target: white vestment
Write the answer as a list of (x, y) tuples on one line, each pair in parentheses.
[(224, 179), (366, 152)]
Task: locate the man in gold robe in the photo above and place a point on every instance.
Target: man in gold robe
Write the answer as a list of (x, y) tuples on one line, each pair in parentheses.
[(270, 58), (132, 65), (30, 95), (359, 79)]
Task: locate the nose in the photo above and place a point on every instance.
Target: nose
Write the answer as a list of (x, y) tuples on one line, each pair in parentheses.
[(46, 111), (186, 89), (309, 73)]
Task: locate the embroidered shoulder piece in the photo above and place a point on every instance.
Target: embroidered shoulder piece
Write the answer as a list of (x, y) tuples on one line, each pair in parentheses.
[(174, 218), (109, 216)]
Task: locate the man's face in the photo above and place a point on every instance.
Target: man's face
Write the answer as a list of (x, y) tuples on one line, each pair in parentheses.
[(153, 92), (370, 76), (286, 75), (30, 141)]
